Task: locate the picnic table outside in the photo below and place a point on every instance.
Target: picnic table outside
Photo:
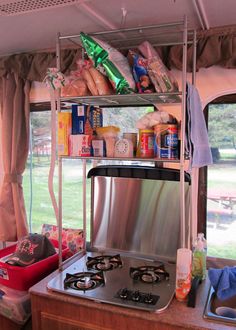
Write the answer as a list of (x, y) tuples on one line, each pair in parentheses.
[(225, 199), (225, 202)]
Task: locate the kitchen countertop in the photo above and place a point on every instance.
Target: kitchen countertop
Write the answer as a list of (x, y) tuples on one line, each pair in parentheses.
[(176, 315)]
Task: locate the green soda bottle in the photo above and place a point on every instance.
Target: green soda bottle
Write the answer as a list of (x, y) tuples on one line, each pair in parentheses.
[(199, 257)]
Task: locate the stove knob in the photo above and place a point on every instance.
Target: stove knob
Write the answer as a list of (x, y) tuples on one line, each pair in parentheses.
[(124, 293), (148, 299), (136, 296)]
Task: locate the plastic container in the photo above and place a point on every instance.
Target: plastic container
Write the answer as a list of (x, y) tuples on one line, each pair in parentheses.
[(22, 278), (183, 273), (199, 257), (133, 138), (15, 304)]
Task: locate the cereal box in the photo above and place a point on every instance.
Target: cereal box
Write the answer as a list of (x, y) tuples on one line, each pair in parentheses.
[(85, 119)]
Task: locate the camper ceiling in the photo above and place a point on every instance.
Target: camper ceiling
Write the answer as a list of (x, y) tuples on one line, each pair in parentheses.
[(32, 25)]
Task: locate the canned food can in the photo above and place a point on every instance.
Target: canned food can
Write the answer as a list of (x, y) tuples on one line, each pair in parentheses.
[(166, 141), (146, 143)]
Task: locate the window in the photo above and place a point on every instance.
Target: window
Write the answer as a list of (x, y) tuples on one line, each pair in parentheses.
[(219, 182), (35, 184)]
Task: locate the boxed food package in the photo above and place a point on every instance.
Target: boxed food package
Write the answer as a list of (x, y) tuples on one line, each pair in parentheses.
[(78, 119), (15, 304), (80, 145), (22, 278), (85, 119), (95, 117), (64, 130)]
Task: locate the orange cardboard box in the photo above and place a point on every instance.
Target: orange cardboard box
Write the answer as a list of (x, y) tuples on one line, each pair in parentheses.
[(64, 131)]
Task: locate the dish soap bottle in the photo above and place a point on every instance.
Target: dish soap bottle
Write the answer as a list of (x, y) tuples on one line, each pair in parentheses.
[(199, 257)]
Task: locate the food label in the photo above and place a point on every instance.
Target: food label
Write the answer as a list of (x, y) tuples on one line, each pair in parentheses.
[(146, 138), (166, 141)]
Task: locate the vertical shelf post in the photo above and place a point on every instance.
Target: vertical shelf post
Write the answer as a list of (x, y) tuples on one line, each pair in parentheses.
[(193, 226), (58, 63), (182, 147), (84, 203), (194, 57)]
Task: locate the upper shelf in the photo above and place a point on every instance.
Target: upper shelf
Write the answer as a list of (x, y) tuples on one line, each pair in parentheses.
[(127, 100), (125, 38), (111, 101)]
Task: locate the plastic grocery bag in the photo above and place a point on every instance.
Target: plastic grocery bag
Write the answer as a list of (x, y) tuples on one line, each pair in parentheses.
[(74, 86), (151, 119), (160, 76), (96, 82)]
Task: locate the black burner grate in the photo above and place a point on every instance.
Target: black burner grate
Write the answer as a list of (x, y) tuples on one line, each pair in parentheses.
[(149, 274), (104, 262), (84, 281)]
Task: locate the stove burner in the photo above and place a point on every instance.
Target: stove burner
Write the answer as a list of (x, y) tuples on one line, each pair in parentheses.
[(84, 280), (137, 296), (149, 274), (104, 262)]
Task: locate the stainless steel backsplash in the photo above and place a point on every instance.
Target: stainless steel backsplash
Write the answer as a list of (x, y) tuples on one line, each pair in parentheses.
[(135, 215)]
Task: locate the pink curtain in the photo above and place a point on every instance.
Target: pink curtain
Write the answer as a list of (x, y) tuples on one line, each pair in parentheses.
[(15, 140), (1, 165)]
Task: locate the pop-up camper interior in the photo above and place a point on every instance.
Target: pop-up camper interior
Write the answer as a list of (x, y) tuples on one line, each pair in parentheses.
[(124, 70)]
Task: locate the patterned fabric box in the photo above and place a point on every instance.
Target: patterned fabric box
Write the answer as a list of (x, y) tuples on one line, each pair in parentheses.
[(15, 304), (72, 238)]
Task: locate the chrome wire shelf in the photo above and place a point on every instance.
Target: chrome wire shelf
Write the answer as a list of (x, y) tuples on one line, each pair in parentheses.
[(126, 100), (112, 101), (125, 159)]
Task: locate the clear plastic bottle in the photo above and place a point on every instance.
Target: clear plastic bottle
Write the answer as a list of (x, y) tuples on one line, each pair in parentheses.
[(183, 273), (199, 257)]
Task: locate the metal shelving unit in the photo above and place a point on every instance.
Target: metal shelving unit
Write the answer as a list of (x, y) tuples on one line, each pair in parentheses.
[(161, 35)]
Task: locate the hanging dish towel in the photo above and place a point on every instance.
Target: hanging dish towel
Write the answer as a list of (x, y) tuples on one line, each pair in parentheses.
[(197, 143), (223, 281)]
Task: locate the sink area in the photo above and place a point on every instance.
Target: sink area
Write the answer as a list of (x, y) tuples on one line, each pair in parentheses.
[(220, 310)]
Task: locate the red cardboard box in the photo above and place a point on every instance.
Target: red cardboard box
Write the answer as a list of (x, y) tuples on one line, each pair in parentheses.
[(22, 278)]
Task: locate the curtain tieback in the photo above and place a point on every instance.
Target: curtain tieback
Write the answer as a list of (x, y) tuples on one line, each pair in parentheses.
[(13, 178)]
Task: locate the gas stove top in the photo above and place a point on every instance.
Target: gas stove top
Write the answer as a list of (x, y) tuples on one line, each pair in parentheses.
[(120, 280)]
